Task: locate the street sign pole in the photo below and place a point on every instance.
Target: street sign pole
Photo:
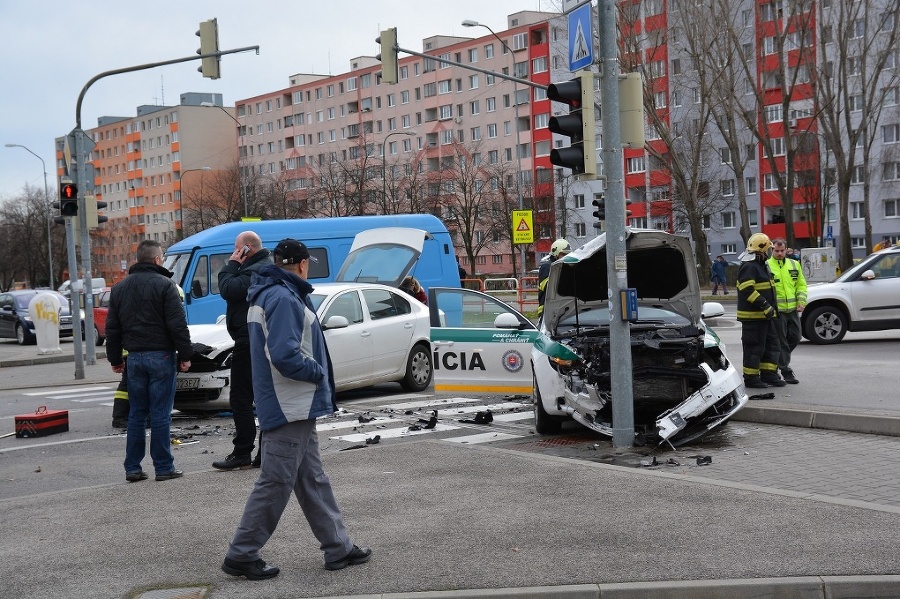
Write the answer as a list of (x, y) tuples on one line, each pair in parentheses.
[(616, 263)]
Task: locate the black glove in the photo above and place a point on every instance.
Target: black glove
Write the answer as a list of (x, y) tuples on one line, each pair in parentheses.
[(770, 313)]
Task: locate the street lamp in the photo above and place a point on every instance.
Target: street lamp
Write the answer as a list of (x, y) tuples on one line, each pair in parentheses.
[(240, 161), (470, 23), (384, 151), (47, 206)]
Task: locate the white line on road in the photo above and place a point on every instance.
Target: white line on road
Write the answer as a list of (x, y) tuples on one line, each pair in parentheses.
[(73, 390)]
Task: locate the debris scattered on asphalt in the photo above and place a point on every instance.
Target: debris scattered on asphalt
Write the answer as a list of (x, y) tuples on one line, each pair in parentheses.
[(647, 462), (364, 419), (673, 462), (480, 418), (353, 447), (373, 440), (763, 396), (704, 460)]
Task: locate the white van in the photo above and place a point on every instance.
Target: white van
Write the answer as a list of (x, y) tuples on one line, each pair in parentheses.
[(97, 284)]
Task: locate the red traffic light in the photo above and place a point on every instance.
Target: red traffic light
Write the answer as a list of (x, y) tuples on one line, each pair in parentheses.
[(69, 191)]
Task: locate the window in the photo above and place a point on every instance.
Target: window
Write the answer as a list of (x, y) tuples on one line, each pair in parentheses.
[(636, 165), (492, 130), (539, 65), (858, 175), (476, 133), (891, 171), (727, 186), (725, 154), (728, 220), (520, 41), (491, 104), (890, 208), (579, 200), (489, 51), (770, 182), (856, 102), (857, 210), (890, 133), (384, 304), (891, 96), (751, 185), (858, 29), (580, 230)]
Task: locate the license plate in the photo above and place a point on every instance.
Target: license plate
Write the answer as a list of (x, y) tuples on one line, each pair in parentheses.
[(187, 383), (65, 326)]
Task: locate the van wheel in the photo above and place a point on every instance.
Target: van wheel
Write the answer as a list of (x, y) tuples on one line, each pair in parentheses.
[(98, 340), (544, 423), (418, 369)]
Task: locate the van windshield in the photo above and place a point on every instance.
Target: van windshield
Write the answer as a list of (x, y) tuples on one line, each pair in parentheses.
[(177, 263)]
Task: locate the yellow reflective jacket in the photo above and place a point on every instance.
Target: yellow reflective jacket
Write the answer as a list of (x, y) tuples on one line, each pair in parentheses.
[(789, 283)]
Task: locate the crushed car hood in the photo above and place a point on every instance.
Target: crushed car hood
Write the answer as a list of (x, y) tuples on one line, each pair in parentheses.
[(210, 339), (580, 278)]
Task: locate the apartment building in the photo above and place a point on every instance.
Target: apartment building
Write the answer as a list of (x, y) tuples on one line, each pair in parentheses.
[(463, 144), (141, 167)]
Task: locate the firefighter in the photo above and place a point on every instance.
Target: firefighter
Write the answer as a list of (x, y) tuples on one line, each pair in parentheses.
[(757, 311), (559, 249), (790, 291)]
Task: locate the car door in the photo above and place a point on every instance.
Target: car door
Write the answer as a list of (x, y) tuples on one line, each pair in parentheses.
[(876, 299), (351, 347), (7, 316), (479, 343), (391, 323)]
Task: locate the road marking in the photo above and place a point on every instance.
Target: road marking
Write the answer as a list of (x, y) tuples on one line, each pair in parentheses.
[(481, 438), (73, 390), (433, 402), (393, 433)]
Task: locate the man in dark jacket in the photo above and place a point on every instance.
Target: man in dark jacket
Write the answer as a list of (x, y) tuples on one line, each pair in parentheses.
[(756, 311), (146, 319), (234, 280), (294, 384)]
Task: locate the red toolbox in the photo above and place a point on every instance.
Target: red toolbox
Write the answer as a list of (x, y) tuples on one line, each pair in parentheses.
[(42, 423)]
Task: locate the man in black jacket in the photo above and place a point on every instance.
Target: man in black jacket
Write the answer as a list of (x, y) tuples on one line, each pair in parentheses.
[(146, 318), (234, 279)]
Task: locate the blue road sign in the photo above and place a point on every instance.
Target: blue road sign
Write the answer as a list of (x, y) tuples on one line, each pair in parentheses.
[(581, 41)]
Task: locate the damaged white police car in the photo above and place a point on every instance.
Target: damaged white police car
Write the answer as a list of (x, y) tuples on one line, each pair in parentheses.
[(683, 383)]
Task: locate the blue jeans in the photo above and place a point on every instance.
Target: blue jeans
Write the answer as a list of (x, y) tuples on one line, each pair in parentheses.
[(151, 390)]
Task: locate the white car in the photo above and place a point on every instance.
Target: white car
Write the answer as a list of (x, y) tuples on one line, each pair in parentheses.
[(375, 332), (683, 384), (865, 298)]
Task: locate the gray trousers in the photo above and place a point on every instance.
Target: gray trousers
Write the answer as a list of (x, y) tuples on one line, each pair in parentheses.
[(788, 325), (291, 462)]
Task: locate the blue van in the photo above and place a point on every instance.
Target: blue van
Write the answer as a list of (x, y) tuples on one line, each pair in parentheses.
[(196, 260)]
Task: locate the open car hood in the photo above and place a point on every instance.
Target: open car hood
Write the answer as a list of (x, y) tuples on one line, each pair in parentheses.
[(384, 255), (210, 339), (579, 279)]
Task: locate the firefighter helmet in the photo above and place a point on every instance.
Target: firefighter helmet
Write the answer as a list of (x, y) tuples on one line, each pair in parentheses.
[(560, 247), (759, 242)]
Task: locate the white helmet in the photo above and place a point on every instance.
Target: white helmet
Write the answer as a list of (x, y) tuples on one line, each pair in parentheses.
[(559, 248)]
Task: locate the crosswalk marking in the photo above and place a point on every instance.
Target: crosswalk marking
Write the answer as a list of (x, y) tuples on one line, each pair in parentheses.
[(481, 438), (73, 390), (393, 433), (430, 403)]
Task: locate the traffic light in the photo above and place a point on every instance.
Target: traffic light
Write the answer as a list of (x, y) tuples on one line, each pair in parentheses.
[(209, 44), (579, 125), (68, 199), (600, 205), (388, 56), (91, 207)]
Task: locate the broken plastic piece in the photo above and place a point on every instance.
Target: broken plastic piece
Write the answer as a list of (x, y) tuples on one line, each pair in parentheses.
[(649, 462), (373, 440), (763, 396), (704, 460)]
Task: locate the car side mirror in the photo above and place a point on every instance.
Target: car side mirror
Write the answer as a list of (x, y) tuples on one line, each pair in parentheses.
[(712, 310), (506, 321), (336, 322), (868, 275)]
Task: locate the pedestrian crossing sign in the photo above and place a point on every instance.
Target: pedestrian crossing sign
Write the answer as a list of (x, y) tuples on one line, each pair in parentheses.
[(522, 226)]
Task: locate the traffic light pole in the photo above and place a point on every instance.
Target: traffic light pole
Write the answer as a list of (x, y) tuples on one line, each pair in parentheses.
[(616, 263), (81, 177)]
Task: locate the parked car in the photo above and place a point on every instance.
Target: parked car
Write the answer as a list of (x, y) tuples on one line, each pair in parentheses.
[(865, 298), (101, 308), (15, 321), (683, 384), (375, 334)]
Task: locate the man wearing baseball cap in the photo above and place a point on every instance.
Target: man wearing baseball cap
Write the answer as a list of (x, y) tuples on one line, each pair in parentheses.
[(293, 384)]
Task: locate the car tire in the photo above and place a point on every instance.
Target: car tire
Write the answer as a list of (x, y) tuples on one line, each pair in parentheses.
[(825, 325), (98, 340), (418, 369), (544, 423), (22, 336)]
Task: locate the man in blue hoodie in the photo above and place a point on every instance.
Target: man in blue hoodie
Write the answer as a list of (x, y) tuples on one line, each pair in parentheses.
[(293, 384)]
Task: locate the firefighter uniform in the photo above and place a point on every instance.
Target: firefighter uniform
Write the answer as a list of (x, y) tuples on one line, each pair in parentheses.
[(790, 293), (756, 312)]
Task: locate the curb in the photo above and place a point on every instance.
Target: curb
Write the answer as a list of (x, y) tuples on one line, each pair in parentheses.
[(51, 359), (880, 424), (805, 587)]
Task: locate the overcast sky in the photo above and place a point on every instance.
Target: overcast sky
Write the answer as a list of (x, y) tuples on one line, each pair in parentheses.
[(50, 49)]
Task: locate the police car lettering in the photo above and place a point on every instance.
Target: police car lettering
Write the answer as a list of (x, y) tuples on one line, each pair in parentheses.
[(461, 361)]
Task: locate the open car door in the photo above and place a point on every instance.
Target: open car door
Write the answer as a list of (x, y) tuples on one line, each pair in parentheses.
[(479, 343)]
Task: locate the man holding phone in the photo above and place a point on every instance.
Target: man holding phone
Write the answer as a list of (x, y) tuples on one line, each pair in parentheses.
[(234, 279)]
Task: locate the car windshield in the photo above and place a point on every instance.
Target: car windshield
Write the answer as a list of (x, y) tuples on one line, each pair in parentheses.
[(599, 317), (177, 263), (317, 299)]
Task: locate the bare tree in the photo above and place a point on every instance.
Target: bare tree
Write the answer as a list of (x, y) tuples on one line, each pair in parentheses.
[(23, 230), (858, 42)]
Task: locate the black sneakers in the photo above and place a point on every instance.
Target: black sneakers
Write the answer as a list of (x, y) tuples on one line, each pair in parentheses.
[(134, 477), (257, 570), (234, 462), (357, 555)]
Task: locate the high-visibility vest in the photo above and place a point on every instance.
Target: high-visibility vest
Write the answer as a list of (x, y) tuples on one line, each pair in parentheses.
[(789, 282)]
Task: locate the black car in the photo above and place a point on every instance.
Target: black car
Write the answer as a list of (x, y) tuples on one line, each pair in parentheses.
[(15, 321)]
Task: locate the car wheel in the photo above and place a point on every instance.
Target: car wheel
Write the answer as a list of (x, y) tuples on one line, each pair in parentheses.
[(826, 325), (22, 336), (98, 340), (418, 369), (544, 423)]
